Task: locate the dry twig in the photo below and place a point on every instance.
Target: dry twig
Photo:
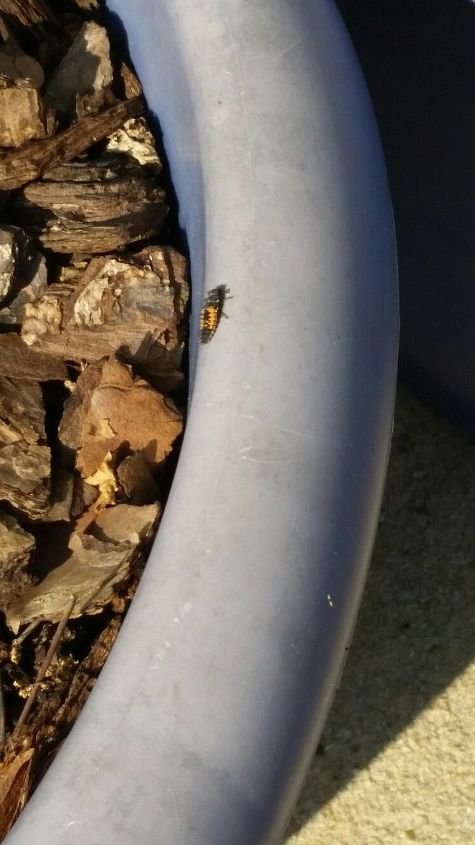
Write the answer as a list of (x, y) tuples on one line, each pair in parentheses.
[(44, 666)]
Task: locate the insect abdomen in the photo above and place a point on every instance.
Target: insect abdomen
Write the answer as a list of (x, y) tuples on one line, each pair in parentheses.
[(211, 312), (208, 322)]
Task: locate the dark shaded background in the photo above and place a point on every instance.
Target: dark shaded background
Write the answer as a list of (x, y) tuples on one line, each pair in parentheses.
[(418, 57)]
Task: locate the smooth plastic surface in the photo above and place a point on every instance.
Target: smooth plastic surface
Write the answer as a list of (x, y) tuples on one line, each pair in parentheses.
[(202, 724)]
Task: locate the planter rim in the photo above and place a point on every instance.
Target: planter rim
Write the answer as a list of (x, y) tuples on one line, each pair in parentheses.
[(204, 719)]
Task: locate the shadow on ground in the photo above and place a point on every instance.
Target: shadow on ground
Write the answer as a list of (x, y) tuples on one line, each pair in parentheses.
[(416, 629)]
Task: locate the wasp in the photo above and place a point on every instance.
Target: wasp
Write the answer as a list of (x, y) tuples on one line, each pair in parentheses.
[(212, 311)]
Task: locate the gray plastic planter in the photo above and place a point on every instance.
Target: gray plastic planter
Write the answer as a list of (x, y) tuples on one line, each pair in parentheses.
[(203, 722)]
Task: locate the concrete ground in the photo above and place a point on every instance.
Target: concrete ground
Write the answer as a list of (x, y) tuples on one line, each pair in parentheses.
[(396, 763)]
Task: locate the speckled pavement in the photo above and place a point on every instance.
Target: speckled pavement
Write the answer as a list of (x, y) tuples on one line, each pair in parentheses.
[(396, 763)]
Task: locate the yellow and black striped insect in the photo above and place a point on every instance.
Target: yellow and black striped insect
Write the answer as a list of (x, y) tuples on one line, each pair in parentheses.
[(212, 311)]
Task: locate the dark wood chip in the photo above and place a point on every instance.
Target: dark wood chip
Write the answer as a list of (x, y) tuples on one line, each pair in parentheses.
[(16, 546), (23, 115), (23, 273), (134, 142), (92, 208), (6, 33), (27, 12), (91, 572), (19, 262), (14, 786), (88, 4), (132, 305), (88, 104), (24, 456), (111, 411), (19, 66), (19, 361), (130, 84), (136, 480), (21, 166), (86, 68)]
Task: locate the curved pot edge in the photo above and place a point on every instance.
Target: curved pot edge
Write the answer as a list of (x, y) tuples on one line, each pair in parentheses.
[(248, 600)]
